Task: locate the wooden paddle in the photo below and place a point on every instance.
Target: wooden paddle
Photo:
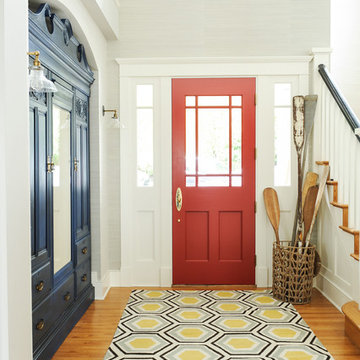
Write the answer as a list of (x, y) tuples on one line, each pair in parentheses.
[(299, 135), (322, 184), (310, 180), (310, 107), (273, 210), (309, 207)]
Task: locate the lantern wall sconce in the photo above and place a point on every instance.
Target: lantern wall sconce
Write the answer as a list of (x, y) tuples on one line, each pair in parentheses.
[(115, 116), (38, 82)]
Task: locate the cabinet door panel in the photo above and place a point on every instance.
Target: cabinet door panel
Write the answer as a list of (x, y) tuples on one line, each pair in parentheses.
[(82, 188), (39, 182), (85, 178)]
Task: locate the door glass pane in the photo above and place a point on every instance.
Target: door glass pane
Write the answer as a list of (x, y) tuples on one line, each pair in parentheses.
[(213, 101), (145, 148), (236, 140), (213, 181), (282, 165), (213, 141), (190, 181), (190, 100), (190, 141), (61, 187), (236, 100), (236, 180)]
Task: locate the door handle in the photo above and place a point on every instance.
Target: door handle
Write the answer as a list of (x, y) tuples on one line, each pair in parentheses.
[(178, 199)]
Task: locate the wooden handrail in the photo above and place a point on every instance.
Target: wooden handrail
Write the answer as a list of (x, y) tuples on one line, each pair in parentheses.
[(345, 108)]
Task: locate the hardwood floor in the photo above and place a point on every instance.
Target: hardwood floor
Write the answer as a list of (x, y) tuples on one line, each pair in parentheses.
[(92, 335)]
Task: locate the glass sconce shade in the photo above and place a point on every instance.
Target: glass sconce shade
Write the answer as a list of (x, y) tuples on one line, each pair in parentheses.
[(38, 82)]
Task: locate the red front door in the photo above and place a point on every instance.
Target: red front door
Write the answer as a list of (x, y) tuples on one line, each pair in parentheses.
[(213, 164)]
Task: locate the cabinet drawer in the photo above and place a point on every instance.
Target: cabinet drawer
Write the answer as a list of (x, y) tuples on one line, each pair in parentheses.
[(83, 250), (82, 276), (41, 284), (63, 296), (43, 320)]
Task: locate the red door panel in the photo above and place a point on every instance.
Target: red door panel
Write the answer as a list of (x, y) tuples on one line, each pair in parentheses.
[(213, 137)]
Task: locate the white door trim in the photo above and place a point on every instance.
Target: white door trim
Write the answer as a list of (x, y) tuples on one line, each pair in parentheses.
[(160, 71)]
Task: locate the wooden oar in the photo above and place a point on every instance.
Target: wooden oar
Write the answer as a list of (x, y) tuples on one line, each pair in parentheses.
[(322, 183), (310, 180), (309, 208), (272, 210), (310, 107), (299, 134)]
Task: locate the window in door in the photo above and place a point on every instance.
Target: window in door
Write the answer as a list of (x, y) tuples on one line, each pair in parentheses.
[(213, 141)]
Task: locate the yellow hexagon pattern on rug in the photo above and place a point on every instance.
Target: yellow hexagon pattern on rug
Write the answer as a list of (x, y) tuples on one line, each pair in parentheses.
[(229, 307), (147, 323), (192, 355), (244, 343), (225, 294), (190, 315), (284, 333), (264, 300), (235, 323), (189, 300), (191, 333), (154, 294), (297, 355), (273, 314), (142, 343), (150, 307)]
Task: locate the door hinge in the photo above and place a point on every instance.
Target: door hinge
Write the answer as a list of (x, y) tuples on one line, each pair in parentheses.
[(255, 206), (255, 153), (255, 260), (255, 99)]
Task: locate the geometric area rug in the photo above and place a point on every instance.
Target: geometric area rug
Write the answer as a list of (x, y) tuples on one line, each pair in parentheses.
[(210, 325)]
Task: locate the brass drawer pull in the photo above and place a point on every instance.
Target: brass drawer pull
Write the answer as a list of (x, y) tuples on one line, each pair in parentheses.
[(40, 325), (84, 277), (67, 296), (40, 286), (84, 250)]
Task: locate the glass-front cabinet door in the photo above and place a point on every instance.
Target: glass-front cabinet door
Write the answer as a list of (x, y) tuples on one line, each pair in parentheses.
[(61, 168), (61, 187)]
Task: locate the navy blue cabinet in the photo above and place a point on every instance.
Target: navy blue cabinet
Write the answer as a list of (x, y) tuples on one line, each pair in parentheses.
[(60, 184)]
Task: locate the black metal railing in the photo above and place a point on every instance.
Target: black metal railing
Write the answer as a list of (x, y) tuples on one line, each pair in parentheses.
[(345, 108)]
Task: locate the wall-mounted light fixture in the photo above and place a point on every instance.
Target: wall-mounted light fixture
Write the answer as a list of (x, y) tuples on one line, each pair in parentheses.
[(115, 116), (37, 80)]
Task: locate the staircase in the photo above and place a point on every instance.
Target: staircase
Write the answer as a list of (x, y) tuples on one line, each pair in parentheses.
[(345, 214), (337, 139)]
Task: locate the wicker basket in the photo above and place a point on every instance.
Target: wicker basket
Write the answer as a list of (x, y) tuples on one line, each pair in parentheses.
[(293, 270)]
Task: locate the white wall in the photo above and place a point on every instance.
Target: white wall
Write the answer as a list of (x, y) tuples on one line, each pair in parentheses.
[(15, 266), (161, 28), (345, 42)]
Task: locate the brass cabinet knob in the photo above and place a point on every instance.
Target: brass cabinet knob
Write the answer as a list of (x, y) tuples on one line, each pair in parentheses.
[(84, 250), (67, 296), (84, 277), (40, 325), (40, 286)]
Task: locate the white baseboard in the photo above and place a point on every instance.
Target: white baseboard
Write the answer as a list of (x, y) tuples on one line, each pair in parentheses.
[(101, 286), (262, 276), (331, 291)]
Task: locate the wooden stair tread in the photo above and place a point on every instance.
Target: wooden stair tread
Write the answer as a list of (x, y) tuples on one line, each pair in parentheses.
[(349, 230), (322, 162), (342, 206), (331, 182), (351, 311), (355, 256)]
